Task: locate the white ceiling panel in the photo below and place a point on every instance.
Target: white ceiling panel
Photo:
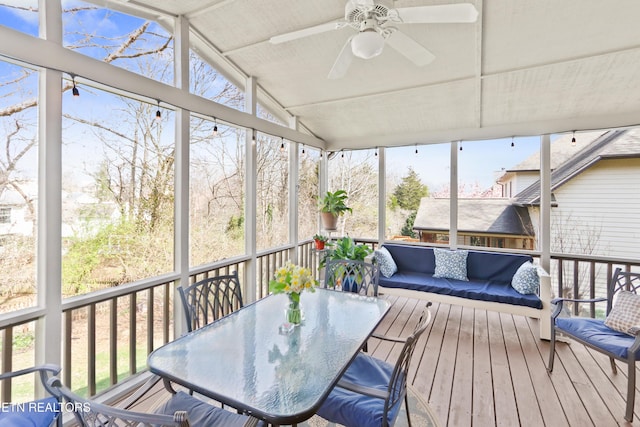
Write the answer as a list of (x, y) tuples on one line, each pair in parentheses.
[(525, 66)]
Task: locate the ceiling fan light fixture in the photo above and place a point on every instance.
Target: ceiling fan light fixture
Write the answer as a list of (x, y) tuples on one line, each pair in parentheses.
[(367, 44)]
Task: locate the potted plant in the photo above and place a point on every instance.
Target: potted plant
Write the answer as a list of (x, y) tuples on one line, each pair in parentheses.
[(320, 241), (332, 206), (346, 249)]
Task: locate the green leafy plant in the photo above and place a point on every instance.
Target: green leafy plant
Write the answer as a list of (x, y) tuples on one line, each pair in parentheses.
[(320, 238), (335, 203), (346, 248)]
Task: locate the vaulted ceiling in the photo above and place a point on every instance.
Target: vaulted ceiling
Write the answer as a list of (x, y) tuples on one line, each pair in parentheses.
[(524, 67)]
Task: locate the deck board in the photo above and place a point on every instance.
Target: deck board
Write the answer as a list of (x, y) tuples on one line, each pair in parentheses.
[(479, 368)]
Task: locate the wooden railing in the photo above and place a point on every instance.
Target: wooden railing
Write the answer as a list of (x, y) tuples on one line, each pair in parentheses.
[(118, 327)]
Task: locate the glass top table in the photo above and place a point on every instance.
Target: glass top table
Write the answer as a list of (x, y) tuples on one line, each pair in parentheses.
[(243, 360)]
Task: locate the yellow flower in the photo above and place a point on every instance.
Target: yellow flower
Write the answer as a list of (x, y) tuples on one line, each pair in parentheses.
[(292, 278)]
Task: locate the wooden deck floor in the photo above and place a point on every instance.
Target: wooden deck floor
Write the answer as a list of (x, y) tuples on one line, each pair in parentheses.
[(479, 368), (483, 369)]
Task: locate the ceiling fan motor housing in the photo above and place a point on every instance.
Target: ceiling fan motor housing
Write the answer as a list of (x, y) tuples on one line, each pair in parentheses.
[(357, 12)]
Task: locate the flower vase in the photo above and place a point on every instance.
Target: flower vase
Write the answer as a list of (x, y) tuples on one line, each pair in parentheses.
[(293, 311)]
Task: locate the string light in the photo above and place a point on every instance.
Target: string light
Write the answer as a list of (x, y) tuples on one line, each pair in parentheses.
[(282, 145), (215, 127), (74, 90), (320, 153), (376, 152), (573, 139), (303, 152), (416, 149), (158, 113), (342, 151), (253, 136), (460, 145), (512, 144)]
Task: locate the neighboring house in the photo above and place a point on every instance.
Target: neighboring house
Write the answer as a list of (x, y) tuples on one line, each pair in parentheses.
[(82, 213), (15, 217), (596, 198), (516, 179), (493, 222), (595, 185)]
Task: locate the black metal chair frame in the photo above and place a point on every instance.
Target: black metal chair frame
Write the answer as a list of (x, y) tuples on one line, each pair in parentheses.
[(366, 275), (210, 299), (45, 372), (620, 280), (89, 413), (397, 388)]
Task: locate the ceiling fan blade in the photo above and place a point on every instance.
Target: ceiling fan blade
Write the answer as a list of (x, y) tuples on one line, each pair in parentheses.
[(438, 14), (343, 61), (305, 32), (408, 47)]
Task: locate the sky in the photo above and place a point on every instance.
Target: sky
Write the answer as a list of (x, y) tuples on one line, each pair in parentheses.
[(479, 161)]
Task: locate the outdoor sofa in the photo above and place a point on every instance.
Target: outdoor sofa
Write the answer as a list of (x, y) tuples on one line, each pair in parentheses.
[(490, 283)]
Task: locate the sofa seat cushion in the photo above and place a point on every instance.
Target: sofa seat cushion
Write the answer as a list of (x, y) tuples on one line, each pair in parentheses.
[(595, 332), (473, 289)]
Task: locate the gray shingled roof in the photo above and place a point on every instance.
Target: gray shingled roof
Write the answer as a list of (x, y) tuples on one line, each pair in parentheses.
[(494, 216), (562, 150), (612, 144)]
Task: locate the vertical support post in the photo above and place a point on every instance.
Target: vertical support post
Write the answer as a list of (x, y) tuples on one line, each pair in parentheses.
[(251, 154), (181, 180), (323, 180), (545, 203), (48, 347), (294, 173), (382, 196), (453, 197)]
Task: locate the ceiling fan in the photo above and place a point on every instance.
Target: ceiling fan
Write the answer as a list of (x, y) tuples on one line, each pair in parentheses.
[(375, 25)]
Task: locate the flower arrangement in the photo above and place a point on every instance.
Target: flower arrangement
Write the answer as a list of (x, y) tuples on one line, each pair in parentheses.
[(292, 280)]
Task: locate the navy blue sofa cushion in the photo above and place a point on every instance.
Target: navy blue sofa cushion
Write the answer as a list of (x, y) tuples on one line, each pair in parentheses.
[(489, 275)]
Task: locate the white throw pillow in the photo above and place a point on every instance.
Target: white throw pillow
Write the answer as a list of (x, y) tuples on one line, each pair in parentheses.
[(526, 280), (385, 262), (625, 314), (451, 264)]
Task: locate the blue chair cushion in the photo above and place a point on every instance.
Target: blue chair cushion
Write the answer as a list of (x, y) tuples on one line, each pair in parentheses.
[(200, 413), (596, 333), (354, 409), (38, 413)]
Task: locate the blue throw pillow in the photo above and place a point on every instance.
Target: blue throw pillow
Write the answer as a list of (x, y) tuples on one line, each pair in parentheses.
[(526, 280), (451, 264), (385, 261)]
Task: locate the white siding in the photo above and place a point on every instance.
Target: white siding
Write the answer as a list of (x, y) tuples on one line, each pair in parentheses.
[(523, 180), (600, 207)]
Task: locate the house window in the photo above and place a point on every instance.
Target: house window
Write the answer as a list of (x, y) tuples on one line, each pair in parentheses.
[(5, 215)]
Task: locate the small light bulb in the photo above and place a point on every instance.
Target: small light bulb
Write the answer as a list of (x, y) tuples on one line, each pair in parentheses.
[(215, 130), (573, 139), (158, 115), (75, 90)]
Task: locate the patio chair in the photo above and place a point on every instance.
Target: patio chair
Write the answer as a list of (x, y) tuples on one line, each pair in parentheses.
[(617, 336), (181, 410), (38, 413), (210, 299), (352, 276), (371, 391)]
